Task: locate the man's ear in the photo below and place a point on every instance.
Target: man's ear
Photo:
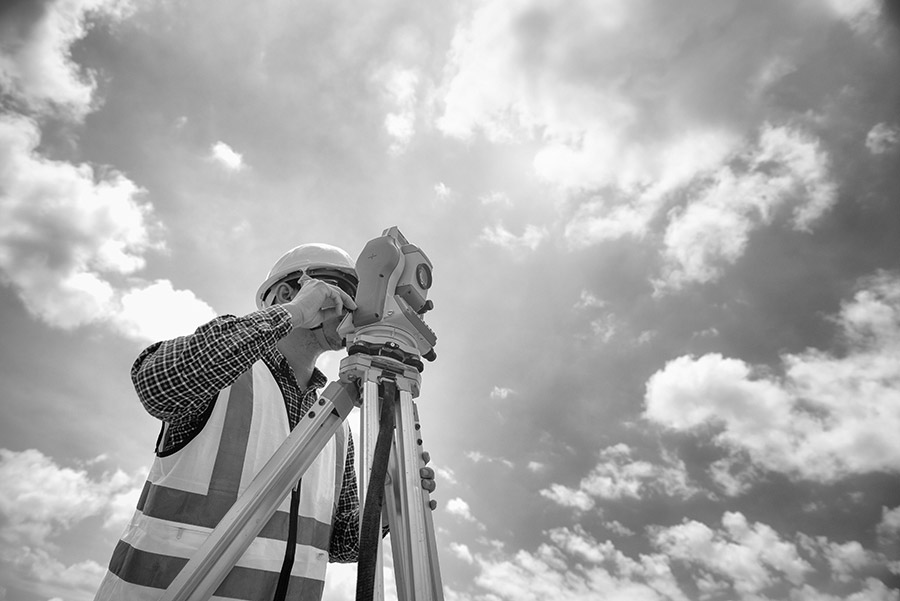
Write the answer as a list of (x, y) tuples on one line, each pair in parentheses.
[(284, 293)]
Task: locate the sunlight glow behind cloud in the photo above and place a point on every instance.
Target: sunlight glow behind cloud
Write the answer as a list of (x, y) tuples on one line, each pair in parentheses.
[(634, 138), (400, 88)]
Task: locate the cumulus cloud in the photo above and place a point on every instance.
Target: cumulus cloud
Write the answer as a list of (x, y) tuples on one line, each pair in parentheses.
[(225, 155), (61, 228), (751, 556), (734, 475), (626, 208), (530, 238), (159, 312), (479, 457), (786, 169), (442, 191), (42, 573), (605, 325), (40, 500), (460, 508), (574, 566), (831, 414), (605, 328), (872, 590), (588, 300), (618, 528), (501, 393), (446, 474), (883, 138), (462, 552), (859, 14), (568, 497), (847, 562), (888, 530), (36, 66), (847, 559), (71, 237), (735, 559), (889, 527), (618, 476)]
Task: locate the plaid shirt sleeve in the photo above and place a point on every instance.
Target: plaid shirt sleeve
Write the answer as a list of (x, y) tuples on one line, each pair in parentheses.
[(176, 379), (345, 527), (344, 547)]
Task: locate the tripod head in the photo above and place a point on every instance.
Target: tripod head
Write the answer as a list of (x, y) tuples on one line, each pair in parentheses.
[(394, 278)]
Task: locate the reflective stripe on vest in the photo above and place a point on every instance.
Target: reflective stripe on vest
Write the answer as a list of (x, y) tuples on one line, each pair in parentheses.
[(189, 492)]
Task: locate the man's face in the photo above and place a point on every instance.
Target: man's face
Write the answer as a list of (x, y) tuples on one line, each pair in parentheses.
[(329, 329)]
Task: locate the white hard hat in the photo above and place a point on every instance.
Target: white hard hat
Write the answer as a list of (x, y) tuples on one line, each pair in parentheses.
[(304, 258)]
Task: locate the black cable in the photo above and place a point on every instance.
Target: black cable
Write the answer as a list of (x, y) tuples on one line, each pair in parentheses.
[(285, 577), (370, 532)]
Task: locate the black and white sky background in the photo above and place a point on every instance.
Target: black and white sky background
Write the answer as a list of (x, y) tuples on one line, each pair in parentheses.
[(666, 240)]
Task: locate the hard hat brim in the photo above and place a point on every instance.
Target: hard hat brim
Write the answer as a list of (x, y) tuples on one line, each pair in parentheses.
[(270, 282)]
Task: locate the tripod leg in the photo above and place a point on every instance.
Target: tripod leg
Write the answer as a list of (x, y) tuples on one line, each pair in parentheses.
[(416, 563), (399, 528), (369, 428)]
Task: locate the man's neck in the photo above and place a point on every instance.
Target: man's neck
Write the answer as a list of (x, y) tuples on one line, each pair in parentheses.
[(302, 372), (301, 355)]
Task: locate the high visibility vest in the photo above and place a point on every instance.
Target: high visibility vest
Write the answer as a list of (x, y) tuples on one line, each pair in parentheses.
[(187, 494)]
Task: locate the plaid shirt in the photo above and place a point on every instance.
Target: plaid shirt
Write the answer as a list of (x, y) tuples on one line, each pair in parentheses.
[(177, 379)]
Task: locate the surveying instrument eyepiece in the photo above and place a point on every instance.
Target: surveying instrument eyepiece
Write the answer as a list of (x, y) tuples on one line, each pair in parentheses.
[(386, 338)]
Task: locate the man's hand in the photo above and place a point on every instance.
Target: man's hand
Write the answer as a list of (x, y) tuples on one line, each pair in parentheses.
[(316, 302), (427, 475)]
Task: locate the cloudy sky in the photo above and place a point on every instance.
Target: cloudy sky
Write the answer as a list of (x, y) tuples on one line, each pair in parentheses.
[(666, 240)]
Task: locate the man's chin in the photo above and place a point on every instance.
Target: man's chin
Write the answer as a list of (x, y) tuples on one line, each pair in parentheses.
[(334, 342)]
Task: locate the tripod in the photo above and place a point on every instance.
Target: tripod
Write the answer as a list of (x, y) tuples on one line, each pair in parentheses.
[(381, 375)]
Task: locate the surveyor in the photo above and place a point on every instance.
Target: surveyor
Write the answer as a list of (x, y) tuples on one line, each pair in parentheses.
[(228, 396)]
